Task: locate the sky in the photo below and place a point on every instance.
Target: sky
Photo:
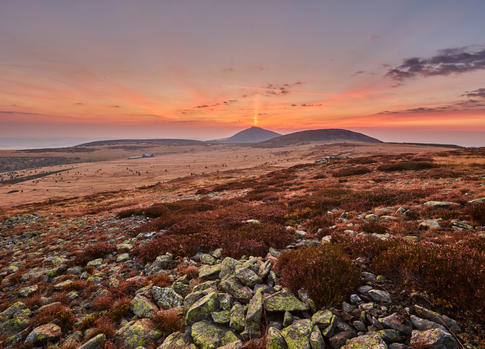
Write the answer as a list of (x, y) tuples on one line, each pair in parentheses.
[(405, 71)]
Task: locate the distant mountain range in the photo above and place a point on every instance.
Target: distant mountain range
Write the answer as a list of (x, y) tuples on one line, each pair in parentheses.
[(250, 135)]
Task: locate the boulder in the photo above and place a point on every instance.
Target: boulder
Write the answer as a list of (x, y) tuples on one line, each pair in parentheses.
[(435, 338), (143, 307), (177, 340), (94, 343), (325, 320), (396, 322), (210, 336), (254, 314), (365, 342), (380, 296), (237, 319), (201, 309), (43, 334), (232, 286), (297, 335), (283, 301), (275, 340), (166, 297), (137, 333)]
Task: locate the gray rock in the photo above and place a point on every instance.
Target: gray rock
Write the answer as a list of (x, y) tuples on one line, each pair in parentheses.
[(94, 343), (254, 314), (380, 296), (396, 322), (435, 338), (297, 335), (365, 342), (283, 301), (166, 297), (423, 324)]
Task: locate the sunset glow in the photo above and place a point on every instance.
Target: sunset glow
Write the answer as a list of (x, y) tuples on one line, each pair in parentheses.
[(190, 69)]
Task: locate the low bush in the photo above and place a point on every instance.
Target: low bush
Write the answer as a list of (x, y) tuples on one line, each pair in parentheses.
[(161, 280), (93, 251), (374, 227), (167, 321), (105, 326), (477, 213), (120, 308), (351, 171), (56, 312), (325, 271), (406, 166)]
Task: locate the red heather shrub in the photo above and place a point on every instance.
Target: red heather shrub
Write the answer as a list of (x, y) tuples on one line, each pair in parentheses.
[(103, 325), (161, 280), (374, 227), (325, 271), (351, 171), (120, 308), (477, 213), (191, 271), (450, 272), (167, 321), (407, 166), (102, 302), (93, 251)]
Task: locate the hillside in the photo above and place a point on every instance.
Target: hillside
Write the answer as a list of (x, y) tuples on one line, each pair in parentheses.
[(322, 135), (250, 135)]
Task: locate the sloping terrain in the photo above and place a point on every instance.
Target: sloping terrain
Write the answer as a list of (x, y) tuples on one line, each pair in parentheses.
[(250, 135), (342, 251)]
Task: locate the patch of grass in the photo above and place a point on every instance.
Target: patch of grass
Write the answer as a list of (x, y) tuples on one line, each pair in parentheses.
[(477, 213), (325, 271), (161, 280), (120, 308), (93, 251), (374, 227)]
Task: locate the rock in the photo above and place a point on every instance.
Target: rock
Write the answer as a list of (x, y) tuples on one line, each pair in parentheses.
[(193, 297), (300, 233), (477, 201), (177, 340), (284, 300), (430, 224), (297, 335), (325, 320), (221, 317), (380, 296), (391, 335), (326, 239), (440, 204), (166, 297), (340, 339), (275, 340), (95, 262), (365, 342), (368, 276), (264, 269), (396, 322), (225, 301), (254, 314), (43, 334), (123, 257), (316, 339), (435, 338), (14, 319), (202, 308), (247, 276), (359, 326), (94, 343), (228, 267), (209, 272), (143, 307), (237, 319), (232, 286), (436, 317), (287, 319), (209, 336), (206, 258), (137, 333), (423, 324), (27, 291)]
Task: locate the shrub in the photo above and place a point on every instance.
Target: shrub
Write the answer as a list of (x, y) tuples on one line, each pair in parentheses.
[(161, 280), (86, 322), (167, 321), (374, 227), (324, 271), (62, 314), (477, 213), (120, 308), (352, 171), (103, 325), (102, 302), (406, 166), (93, 251), (191, 271)]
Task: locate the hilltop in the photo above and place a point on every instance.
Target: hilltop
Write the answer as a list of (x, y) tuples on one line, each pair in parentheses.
[(250, 135), (322, 135)]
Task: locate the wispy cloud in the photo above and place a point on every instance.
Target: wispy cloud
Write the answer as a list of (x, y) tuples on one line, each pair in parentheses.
[(445, 62)]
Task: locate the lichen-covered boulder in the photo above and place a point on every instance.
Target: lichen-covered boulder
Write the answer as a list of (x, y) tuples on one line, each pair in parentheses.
[(396, 322), (14, 319), (254, 314), (209, 272), (436, 317), (297, 335), (210, 336), (228, 267), (137, 333), (316, 339), (247, 276), (193, 297), (380, 296), (325, 320), (237, 317), (275, 340), (166, 297), (201, 309), (284, 300), (232, 286), (177, 340), (27, 291), (221, 317), (143, 307), (94, 343), (43, 334), (435, 338), (365, 342)]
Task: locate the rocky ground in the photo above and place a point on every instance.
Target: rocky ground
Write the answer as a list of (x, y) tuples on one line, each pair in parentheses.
[(77, 280)]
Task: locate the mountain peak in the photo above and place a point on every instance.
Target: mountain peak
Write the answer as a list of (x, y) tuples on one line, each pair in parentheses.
[(253, 134)]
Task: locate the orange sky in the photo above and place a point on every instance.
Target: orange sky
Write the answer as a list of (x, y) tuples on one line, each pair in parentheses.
[(193, 70)]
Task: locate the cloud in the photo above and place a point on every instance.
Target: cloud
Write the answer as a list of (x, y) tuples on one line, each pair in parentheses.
[(479, 92), (445, 62)]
